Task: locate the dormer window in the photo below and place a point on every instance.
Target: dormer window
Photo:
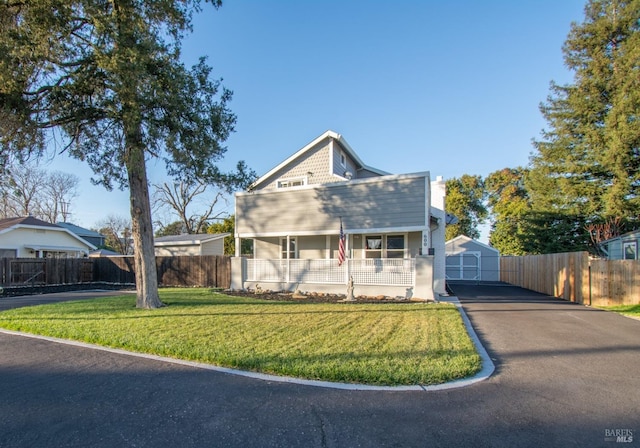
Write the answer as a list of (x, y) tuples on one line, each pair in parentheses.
[(293, 182), (343, 160)]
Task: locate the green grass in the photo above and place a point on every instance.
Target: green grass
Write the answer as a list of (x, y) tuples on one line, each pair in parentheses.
[(627, 310), (381, 344)]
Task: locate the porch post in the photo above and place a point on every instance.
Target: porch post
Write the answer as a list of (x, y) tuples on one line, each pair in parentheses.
[(347, 249), (288, 258), (238, 274)]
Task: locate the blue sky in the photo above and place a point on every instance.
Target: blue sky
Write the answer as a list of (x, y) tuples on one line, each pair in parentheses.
[(414, 85)]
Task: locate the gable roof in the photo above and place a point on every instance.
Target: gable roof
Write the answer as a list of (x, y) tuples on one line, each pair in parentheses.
[(188, 239), (328, 134), (29, 222), (80, 231), (631, 234), (466, 239), (8, 223)]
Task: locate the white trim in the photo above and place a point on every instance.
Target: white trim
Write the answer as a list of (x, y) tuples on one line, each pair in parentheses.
[(626, 244), (327, 245), (192, 241), (383, 244), (304, 179), (49, 248), (461, 265), (384, 230), (467, 239), (288, 239), (52, 228)]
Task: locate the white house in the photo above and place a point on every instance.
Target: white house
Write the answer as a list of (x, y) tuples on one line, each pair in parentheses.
[(29, 237), (393, 226)]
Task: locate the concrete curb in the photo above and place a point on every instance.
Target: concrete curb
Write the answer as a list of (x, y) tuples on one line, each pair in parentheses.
[(486, 371)]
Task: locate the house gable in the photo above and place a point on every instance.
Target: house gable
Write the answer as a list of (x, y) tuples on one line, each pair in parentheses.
[(328, 158)]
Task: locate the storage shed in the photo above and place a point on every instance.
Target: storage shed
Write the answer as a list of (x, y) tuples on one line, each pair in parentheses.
[(195, 244), (623, 247), (470, 260)]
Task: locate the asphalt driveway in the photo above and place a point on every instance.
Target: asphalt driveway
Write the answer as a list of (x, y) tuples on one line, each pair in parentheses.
[(565, 375)]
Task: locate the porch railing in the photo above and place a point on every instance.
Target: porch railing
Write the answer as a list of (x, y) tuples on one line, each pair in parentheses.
[(374, 271)]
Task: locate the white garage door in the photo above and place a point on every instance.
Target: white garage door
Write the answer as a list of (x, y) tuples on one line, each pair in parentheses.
[(463, 266)]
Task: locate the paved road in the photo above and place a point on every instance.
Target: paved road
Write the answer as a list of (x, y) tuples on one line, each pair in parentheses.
[(565, 375)]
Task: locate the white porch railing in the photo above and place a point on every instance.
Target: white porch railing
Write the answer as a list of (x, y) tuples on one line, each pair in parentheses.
[(374, 271)]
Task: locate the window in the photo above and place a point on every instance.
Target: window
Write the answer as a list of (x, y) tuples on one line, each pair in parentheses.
[(294, 182), (292, 252), (384, 246), (395, 246), (343, 160), (373, 246), (630, 250)]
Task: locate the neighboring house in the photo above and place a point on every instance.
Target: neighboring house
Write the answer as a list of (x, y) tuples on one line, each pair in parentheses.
[(623, 247), (29, 237), (195, 244), (469, 259), (95, 238), (393, 224)]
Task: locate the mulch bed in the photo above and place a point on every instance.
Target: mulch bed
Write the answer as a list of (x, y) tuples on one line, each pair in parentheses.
[(312, 297)]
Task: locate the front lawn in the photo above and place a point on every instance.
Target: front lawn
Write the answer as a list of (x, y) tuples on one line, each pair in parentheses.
[(381, 344)]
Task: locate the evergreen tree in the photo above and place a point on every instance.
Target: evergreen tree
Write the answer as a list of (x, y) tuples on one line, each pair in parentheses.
[(106, 76), (587, 164)]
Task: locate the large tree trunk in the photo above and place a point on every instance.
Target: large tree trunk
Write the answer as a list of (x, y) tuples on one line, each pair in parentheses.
[(142, 231)]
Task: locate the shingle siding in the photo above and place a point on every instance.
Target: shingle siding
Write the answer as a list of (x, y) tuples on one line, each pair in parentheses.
[(314, 166)]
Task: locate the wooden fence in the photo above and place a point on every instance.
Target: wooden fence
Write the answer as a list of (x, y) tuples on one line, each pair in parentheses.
[(205, 270), (574, 277), (43, 271)]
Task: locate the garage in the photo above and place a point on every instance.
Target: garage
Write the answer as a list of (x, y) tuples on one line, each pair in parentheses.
[(470, 260)]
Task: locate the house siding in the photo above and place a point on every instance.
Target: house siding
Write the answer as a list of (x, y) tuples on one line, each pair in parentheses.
[(386, 202), (16, 239), (178, 251), (313, 165), (615, 246), (215, 247), (338, 168), (267, 248)]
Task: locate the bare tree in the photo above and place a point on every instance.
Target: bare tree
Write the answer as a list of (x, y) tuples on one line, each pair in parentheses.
[(117, 230), (603, 231), (60, 189), (22, 190), (185, 196), (29, 190)]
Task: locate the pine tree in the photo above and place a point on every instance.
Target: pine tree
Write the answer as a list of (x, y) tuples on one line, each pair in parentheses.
[(106, 78), (587, 165)]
